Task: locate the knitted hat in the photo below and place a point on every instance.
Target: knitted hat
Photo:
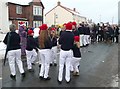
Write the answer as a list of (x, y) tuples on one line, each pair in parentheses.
[(53, 29), (30, 32), (44, 27), (74, 23), (22, 23), (76, 38), (68, 26)]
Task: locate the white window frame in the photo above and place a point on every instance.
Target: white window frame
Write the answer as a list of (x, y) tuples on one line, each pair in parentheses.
[(36, 24), (37, 10), (18, 9)]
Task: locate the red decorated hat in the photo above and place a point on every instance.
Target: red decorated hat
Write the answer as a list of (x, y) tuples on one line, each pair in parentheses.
[(22, 23), (76, 38), (44, 27), (53, 29), (74, 23), (68, 26), (40, 27), (30, 32)]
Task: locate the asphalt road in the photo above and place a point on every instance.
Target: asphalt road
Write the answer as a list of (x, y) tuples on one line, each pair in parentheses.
[(99, 68)]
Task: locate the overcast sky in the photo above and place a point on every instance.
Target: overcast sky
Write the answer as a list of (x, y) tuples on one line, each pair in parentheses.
[(97, 10)]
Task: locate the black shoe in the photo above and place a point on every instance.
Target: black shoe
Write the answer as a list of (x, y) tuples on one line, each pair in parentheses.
[(13, 77), (60, 82), (41, 77), (50, 64), (23, 75), (81, 46), (55, 64), (48, 78), (87, 44), (33, 63), (39, 65), (31, 70), (84, 45), (67, 81)]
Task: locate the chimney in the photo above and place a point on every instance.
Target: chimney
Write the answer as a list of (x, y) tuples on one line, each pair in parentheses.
[(58, 3), (74, 9)]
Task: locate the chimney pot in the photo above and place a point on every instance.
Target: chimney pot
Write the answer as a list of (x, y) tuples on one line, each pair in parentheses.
[(58, 3), (74, 9)]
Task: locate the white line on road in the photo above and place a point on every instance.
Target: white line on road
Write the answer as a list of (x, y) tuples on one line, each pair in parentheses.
[(0, 78), (103, 61)]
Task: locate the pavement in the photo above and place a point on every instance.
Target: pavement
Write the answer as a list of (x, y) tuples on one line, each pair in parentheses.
[(98, 68), (2, 36)]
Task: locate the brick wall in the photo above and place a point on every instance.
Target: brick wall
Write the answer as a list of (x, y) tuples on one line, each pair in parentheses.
[(12, 11), (27, 12)]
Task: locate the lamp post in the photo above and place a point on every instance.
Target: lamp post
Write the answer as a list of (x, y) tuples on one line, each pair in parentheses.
[(55, 17)]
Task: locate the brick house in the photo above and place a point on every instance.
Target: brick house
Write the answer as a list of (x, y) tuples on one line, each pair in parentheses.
[(31, 14)]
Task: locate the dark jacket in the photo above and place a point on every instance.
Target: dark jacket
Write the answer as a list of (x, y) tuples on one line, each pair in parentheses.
[(61, 32), (14, 41), (100, 32), (76, 32), (54, 41), (66, 40), (81, 30), (76, 51), (87, 31), (117, 31), (31, 43), (111, 31)]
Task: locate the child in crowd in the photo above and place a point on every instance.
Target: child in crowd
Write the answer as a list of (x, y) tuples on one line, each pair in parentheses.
[(76, 56)]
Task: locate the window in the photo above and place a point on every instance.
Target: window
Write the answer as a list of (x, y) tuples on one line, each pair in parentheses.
[(37, 10), (36, 24), (19, 9)]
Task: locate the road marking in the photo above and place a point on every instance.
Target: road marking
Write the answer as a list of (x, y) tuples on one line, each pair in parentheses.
[(103, 61), (0, 78)]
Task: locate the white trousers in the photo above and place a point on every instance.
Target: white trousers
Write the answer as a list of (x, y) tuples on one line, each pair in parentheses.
[(85, 41), (45, 62), (53, 54), (81, 40), (65, 58), (88, 39), (31, 57), (15, 56), (38, 57), (75, 64)]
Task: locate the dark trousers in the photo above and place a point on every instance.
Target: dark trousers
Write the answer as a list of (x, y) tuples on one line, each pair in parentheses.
[(117, 39), (100, 38), (112, 38)]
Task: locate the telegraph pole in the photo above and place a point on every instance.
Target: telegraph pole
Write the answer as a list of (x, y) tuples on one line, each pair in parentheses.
[(54, 19)]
